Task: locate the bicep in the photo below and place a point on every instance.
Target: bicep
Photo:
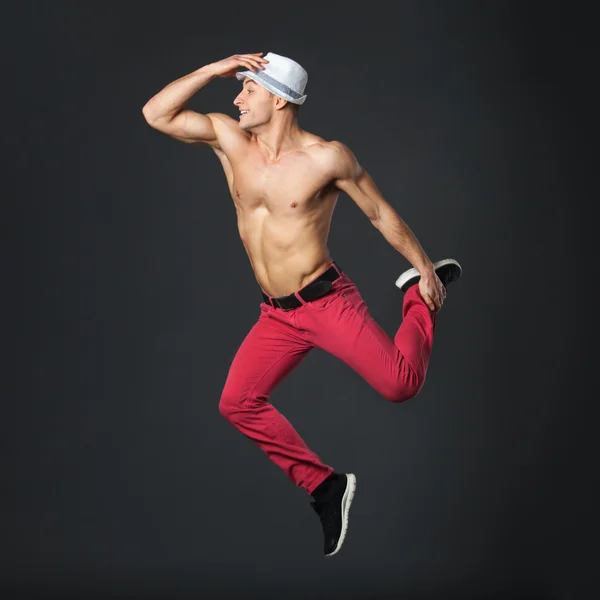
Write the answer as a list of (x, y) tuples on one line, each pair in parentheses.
[(192, 127), (352, 179), (363, 191)]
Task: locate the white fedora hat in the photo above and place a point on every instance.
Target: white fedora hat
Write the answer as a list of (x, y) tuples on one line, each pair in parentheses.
[(281, 76)]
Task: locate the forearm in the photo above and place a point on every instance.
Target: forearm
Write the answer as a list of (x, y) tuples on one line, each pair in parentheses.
[(172, 98), (402, 239)]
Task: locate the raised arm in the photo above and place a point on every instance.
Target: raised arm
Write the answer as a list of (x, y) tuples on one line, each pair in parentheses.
[(349, 177), (167, 113)]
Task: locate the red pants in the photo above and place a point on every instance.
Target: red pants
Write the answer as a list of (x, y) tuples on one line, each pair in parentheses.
[(340, 324)]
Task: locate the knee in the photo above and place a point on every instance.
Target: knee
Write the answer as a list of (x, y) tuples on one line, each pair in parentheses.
[(236, 406), (229, 406), (403, 389), (399, 394)]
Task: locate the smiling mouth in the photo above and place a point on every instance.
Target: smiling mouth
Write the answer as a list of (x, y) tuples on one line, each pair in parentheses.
[(243, 113)]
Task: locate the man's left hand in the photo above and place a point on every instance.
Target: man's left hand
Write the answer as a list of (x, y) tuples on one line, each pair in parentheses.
[(432, 290)]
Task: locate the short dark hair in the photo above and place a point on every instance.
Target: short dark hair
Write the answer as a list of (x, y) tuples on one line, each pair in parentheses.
[(295, 108)]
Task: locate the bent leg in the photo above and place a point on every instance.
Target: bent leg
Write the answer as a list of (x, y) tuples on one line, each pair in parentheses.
[(270, 351), (343, 326)]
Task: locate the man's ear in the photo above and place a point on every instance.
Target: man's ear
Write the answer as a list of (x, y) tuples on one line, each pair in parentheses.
[(280, 102)]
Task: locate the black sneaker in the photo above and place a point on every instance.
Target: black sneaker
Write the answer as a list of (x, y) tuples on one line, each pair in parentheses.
[(447, 270), (332, 505)]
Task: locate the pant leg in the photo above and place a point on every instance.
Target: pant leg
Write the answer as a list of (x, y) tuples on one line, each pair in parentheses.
[(340, 323), (270, 351)]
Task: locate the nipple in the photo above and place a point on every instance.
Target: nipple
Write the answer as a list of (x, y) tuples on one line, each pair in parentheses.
[(294, 204)]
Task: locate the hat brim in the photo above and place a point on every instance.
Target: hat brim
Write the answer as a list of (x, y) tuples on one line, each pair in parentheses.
[(270, 86)]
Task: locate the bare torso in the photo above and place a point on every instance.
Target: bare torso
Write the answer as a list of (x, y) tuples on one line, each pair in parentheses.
[(284, 210)]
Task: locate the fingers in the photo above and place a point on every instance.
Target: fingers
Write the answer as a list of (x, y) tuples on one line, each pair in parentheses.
[(433, 293), (252, 61), (434, 301), (440, 296), (429, 301), (250, 65)]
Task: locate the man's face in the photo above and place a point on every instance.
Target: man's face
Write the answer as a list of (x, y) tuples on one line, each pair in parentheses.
[(255, 104)]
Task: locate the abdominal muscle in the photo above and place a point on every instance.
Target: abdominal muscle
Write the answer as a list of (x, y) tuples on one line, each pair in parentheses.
[(285, 252)]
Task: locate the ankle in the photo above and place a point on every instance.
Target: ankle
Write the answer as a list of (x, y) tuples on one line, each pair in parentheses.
[(324, 486)]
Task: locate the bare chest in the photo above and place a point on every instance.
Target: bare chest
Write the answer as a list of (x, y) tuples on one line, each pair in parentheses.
[(292, 182)]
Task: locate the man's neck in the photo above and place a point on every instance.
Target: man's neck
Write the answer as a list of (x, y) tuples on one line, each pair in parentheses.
[(279, 139)]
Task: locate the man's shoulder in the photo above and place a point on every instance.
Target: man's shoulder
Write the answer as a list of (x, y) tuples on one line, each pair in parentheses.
[(333, 155), (227, 128), (329, 149)]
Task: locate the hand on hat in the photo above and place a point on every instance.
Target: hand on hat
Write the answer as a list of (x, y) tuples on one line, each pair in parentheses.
[(228, 66)]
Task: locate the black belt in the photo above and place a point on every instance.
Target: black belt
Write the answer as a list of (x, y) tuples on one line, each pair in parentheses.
[(315, 289)]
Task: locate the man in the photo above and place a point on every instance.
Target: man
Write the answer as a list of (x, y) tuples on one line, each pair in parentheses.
[(285, 182)]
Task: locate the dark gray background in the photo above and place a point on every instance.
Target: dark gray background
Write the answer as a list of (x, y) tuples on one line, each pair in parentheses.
[(127, 293)]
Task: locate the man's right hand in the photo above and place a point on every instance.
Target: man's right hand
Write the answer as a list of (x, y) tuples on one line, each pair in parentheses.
[(228, 66)]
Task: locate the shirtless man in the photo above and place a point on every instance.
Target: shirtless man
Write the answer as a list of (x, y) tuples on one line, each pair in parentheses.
[(285, 182)]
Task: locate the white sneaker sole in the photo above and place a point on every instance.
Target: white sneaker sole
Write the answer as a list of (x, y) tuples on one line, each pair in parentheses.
[(415, 272), (346, 502)]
